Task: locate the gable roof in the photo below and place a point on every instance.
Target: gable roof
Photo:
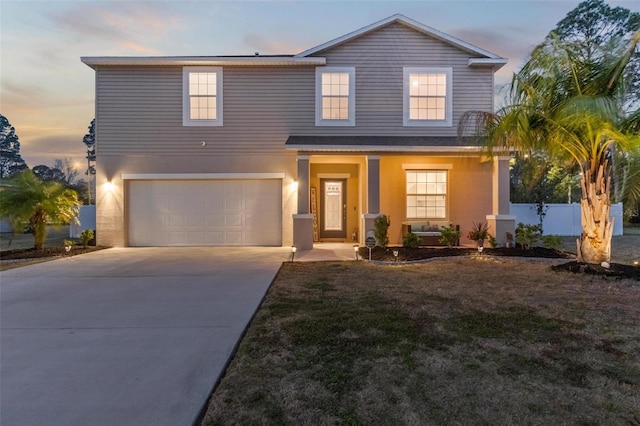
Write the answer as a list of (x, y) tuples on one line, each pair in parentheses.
[(488, 58)]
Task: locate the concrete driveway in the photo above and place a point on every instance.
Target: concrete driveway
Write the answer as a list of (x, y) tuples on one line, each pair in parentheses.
[(125, 336)]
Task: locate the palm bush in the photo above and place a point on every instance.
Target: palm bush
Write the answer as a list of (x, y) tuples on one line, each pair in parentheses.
[(24, 198)]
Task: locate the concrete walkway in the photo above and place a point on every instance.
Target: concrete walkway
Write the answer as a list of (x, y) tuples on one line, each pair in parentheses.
[(326, 251), (134, 336)]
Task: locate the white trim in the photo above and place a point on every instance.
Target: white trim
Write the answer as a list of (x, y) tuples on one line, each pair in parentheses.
[(492, 62), (500, 217), (199, 176), (448, 118), (186, 121), (384, 148), (408, 22), (334, 175), (95, 61), (351, 121), (426, 166)]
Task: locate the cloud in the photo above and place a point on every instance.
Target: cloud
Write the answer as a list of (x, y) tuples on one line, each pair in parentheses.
[(134, 26), (270, 46)]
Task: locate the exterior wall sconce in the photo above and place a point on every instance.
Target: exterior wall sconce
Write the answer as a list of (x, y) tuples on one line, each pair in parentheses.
[(109, 186), (293, 252)]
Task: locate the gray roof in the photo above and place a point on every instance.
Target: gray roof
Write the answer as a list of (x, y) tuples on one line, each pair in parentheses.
[(386, 143)]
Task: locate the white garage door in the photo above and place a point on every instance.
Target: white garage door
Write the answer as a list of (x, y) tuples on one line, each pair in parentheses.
[(205, 212)]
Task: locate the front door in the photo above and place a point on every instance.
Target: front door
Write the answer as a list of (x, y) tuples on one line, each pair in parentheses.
[(333, 208)]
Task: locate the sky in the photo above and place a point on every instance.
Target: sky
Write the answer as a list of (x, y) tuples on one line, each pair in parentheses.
[(47, 94)]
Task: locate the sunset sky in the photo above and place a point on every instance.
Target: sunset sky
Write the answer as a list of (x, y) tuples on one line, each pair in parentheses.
[(48, 94)]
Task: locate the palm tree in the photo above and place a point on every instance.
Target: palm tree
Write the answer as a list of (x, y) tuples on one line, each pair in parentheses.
[(25, 198), (572, 109)]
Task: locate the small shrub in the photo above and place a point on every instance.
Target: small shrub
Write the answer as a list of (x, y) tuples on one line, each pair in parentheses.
[(87, 235), (552, 242), (68, 243), (527, 235), (450, 236), (492, 241), (381, 225), (411, 240)]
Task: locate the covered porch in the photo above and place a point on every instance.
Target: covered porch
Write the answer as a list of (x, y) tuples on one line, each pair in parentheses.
[(341, 189)]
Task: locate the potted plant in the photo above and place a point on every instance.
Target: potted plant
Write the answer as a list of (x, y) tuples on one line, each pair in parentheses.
[(479, 232)]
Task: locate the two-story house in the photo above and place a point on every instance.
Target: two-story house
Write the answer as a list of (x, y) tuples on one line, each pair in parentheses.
[(292, 149)]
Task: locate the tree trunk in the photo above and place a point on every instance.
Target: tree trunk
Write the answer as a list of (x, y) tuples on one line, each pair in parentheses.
[(594, 245)]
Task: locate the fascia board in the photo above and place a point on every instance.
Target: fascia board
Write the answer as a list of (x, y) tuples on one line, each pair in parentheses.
[(94, 61)]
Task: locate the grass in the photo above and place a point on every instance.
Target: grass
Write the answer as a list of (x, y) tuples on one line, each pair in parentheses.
[(460, 341)]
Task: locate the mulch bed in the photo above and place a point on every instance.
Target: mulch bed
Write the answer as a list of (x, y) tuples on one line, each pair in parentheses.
[(32, 253), (616, 270), (421, 253)]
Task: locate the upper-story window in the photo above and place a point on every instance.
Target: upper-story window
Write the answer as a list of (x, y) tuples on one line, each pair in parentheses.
[(202, 96), (427, 97), (335, 96)]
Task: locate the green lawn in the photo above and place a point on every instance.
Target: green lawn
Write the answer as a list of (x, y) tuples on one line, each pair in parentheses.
[(460, 341)]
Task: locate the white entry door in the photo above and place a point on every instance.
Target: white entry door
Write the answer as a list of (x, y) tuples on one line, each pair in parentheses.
[(333, 208), (205, 212)]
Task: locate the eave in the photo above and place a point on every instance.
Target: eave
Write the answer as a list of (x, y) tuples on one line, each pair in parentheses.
[(95, 61)]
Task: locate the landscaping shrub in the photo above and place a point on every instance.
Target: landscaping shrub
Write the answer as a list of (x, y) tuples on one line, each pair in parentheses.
[(552, 242), (87, 235), (450, 236), (411, 240), (527, 235), (381, 225)]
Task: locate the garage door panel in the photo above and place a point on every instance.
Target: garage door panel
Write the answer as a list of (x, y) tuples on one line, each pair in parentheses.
[(205, 212)]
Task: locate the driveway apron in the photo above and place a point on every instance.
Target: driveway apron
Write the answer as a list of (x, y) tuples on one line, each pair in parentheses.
[(125, 336)]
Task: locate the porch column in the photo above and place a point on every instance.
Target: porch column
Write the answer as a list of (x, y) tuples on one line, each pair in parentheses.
[(303, 221), (501, 221), (373, 194)]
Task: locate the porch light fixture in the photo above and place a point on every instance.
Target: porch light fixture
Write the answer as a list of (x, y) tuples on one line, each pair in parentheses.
[(355, 251), (109, 186), (293, 252)]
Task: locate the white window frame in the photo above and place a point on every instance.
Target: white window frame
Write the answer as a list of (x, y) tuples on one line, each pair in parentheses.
[(427, 194), (186, 120), (448, 120), (351, 121)]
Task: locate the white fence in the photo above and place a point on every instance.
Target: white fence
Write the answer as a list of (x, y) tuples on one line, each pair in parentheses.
[(86, 219), (561, 219)]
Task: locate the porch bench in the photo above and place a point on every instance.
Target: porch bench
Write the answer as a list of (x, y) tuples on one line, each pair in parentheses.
[(428, 231)]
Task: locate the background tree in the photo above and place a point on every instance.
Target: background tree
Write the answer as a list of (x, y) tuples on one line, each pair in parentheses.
[(26, 198), (593, 31), (10, 160), (569, 108), (66, 166), (90, 141), (49, 174)]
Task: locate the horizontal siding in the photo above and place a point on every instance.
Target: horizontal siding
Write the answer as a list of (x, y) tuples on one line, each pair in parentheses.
[(139, 109)]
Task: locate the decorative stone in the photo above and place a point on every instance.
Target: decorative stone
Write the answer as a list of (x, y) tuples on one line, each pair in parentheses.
[(605, 265)]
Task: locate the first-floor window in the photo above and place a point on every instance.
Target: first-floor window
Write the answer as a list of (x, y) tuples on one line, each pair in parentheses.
[(426, 194)]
